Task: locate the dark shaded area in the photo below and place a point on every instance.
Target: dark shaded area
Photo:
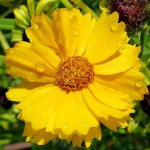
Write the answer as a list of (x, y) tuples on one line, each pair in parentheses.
[(4, 102), (9, 6), (146, 103), (25, 38)]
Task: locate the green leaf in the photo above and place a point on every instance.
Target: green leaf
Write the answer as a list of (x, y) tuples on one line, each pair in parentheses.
[(11, 8), (135, 38), (146, 72), (6, 3), (3, 42), (52, 8), (31, 7), (132, 126), (145, 43), (147, 129), (4, 141), (7, 24), (145, 55)]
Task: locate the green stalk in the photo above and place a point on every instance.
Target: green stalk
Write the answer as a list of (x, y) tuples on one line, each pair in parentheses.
[(7, 24), (146, 72), (85, 8), (31, 7), (3, 41), (41, 6), (67, 4)]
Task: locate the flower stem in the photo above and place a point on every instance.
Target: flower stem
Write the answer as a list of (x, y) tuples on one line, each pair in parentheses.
[(85, 8), (102, 6), (67, 4), (146, 72), (3, 41)]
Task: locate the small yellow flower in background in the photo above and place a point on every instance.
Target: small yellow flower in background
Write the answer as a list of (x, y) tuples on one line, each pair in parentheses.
[(78, 73)]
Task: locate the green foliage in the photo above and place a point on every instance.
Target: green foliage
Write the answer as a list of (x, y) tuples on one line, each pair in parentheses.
[(55, 144), (11, 7), (93, 4), (145, 56), (7, 24), (142, 38), (6, 80), (10, 127), (3, 80)]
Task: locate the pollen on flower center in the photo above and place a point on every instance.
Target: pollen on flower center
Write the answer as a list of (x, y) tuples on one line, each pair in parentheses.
[(75, 73)]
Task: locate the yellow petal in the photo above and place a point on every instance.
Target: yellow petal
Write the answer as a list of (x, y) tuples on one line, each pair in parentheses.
[(130, 84), (51, 115), (74, 107), (93, 133), (30, 75), (113, 123), (104, 95), (111, 118), (22, 91), (71, 31), (64, 24), (40, 31), (77, 140), (28, 131), (40, 137), (106, 38), (86, 25), (26, 62), (98, 108), (49, 57), (127, 59), (39, 107)]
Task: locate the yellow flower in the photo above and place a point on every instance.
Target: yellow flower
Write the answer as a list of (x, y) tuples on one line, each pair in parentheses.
[(79, 73)]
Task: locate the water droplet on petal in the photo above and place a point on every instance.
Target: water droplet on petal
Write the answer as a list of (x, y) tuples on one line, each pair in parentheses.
[(75, 33), (138, 85), (111, 43), (64, 127), (113, 27), (31, 77), (81, 100), (60, 42), (29, 107), (31, 74), (39, 68), (10, 52), (35, 26), (120, 44), (85, 126), (102, 67)]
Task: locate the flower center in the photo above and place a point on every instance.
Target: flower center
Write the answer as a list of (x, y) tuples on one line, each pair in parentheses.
[(74, 74)]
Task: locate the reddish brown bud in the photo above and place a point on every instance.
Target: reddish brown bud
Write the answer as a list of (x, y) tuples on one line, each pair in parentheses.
[(132, 12)]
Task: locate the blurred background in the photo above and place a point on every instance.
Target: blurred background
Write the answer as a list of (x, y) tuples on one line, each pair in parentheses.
[(15, 17)]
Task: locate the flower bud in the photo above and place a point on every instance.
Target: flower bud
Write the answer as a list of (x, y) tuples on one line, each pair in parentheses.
[(132, 12)]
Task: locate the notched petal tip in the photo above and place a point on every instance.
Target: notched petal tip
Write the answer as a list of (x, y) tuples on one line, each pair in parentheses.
[(115, 15), (37, 18)]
